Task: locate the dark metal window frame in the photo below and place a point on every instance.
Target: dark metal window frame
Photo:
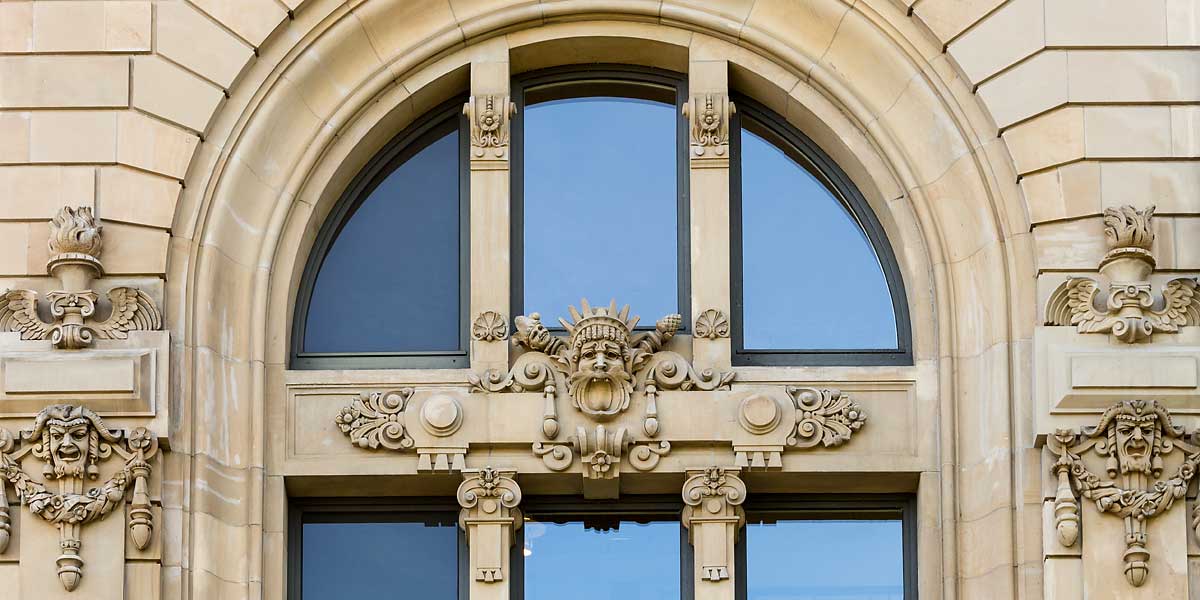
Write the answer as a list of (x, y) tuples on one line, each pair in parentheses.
[(866, 507), (628, 507), (391, 510), (808, 155), (401, 148), (604, 77)]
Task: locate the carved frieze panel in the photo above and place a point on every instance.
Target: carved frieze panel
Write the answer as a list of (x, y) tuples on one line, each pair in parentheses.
[(75, 244), (71, 442), (1133, 439), (820, 417), (1130, 311), (385, 420)]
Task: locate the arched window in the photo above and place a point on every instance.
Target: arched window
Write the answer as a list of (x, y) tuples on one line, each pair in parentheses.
[(386, 283), (599, 159), (814, 280)]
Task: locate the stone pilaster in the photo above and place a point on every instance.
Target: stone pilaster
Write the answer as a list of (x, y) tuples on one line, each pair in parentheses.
[(708, 111), (489, 113), (489, 499), (713, 517)]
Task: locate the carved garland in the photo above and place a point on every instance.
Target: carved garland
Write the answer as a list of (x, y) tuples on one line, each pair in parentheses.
[(72, 440), (1133, 436), (1129, 313), (75, 244)]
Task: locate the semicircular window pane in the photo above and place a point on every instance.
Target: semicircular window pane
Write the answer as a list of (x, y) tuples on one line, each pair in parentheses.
[(811, 279), (390, 281)]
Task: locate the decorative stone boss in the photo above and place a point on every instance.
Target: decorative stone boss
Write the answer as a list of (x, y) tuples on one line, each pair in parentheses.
[(71, 441), (1133, 437)]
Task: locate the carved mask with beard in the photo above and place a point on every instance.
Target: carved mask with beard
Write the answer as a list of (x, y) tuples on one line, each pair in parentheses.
[(600, 383)]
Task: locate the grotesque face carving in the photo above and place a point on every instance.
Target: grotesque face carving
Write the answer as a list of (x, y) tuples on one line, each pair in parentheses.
[(70, 439), (68, 446), (600, 379), (1135, 440)]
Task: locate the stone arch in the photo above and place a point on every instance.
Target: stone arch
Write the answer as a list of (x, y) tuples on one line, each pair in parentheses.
[(337, 81)]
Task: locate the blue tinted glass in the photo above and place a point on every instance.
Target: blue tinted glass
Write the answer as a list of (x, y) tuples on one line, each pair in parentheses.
[(821, 560), (633, 562), (810, 278), (600, 206), (390, 281), (380, 560)]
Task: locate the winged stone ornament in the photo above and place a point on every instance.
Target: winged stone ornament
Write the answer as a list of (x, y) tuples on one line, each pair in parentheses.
[(1129, 311), (75, 244)]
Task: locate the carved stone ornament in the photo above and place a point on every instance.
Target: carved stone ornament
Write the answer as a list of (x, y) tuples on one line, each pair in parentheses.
[(490, 117), (75, 244), (713, 513), (824, 416), (1131, 312), (712, 324), (601, 365), (376, 420), (489, 326), (708, 117), (489, 499), (71, 441), (1133, 437)]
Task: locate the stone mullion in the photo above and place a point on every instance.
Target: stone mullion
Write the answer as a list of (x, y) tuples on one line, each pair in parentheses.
[(713, 517), (708, 174), (489, 499), (489, 115)]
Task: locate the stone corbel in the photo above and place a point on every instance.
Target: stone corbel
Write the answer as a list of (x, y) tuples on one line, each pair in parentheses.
[(708, 118), (490, 117), (713, 517), (71, 441), (1131, 312), (489, 499), (75, 244), (1132, 438)]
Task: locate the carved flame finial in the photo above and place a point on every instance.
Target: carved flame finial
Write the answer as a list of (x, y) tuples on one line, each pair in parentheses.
[(75, 235), (1128, 227)]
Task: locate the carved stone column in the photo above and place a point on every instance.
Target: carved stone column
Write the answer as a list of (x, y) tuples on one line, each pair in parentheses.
[(708, 111), (489, 499), (713, 517), (489, 114)]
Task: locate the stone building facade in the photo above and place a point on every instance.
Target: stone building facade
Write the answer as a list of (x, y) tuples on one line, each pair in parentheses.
[(167, 168)]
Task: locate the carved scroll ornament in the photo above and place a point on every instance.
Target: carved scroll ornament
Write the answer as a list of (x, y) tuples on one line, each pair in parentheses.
[(489, 499), (71, 441), (708, 116), (712, 500), (1131, 312), (490, 117), (75, 244), (823, 417), (380, 420), (1133, 436)]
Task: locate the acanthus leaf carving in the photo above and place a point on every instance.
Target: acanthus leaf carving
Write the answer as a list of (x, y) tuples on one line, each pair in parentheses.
[(1129, 312), (1132, 436), (71, 441), (712, 499), (490, 117), (376, 420), (823, 416), (708, 116), (75, 243)]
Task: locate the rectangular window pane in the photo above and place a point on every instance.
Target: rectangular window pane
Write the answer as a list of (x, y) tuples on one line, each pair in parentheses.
[(630, 561), (600, 206), (394, 560), (824, 560)]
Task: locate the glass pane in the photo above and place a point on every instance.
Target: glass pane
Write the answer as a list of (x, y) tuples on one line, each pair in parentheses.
[(637, 561), (390, 282), (810, 278), (807, 560), (398, 561), (600, 206)]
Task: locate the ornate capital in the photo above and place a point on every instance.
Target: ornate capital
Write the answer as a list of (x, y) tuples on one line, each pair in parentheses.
[(71, 441), (489, 499), (708, 118), (1131, 312), (1132, 438), (75, 244), (713, 516), (490, 117)]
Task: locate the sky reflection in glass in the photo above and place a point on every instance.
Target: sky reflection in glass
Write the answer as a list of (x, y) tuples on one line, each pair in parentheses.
[(397, 561), (825, 560), (390, 281), (634, 562), (810, 278), (600, 206)]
